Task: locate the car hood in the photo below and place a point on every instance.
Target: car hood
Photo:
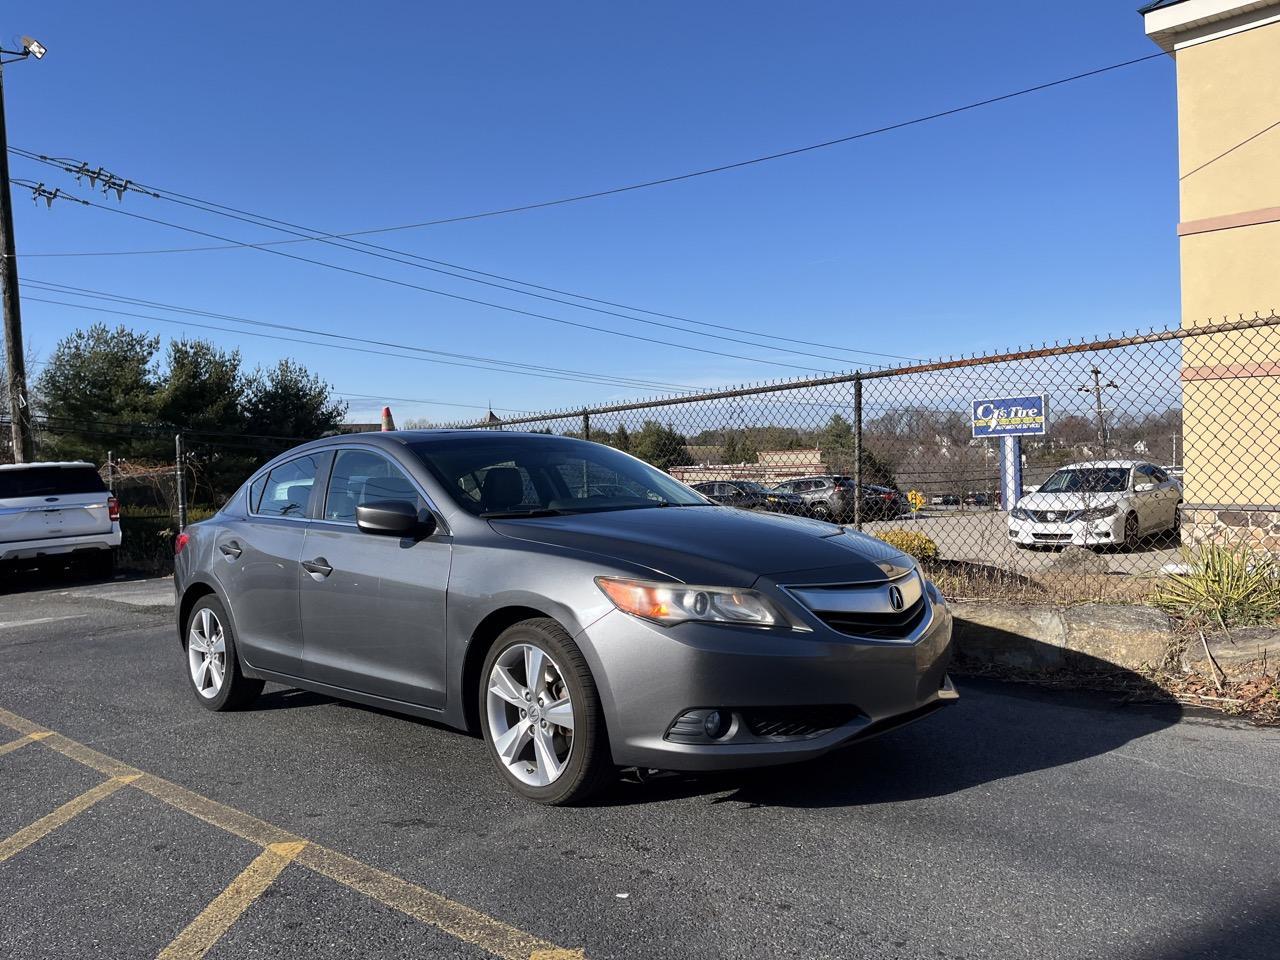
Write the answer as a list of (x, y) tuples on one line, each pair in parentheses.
[(717, 545), (1068, 501)]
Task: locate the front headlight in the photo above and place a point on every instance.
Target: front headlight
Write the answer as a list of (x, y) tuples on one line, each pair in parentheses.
[(935, 595), (1098, 513), (1020, 514), (671, 603)]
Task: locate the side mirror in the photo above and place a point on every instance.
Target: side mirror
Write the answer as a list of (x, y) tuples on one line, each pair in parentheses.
[(393, 518), (1143, 487)]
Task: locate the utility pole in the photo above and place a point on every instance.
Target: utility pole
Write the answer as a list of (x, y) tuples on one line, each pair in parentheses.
[(1100, 409), (15, 362)]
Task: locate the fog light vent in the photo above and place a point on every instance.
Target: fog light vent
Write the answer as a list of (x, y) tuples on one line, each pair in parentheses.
[(705, 725)]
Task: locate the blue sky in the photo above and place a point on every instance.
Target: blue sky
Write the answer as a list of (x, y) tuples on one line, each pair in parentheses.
[(1048, 217)]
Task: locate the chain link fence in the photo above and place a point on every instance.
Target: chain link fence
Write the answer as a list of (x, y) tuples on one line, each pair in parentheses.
[(1156, 447)]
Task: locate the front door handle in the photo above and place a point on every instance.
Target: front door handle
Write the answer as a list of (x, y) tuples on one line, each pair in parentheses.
[(318, 567), (231, 550)]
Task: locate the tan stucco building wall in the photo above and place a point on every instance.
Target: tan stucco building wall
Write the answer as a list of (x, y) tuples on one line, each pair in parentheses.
[(1228, 81)]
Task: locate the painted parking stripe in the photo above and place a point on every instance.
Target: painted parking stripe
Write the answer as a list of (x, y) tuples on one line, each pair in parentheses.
[(216, 919), (65, 813), (28, 623), (13, 745), (459, 921), (447, 915)]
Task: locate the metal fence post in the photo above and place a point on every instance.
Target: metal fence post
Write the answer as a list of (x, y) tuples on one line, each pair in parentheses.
[(857, 452), (586, 425), (180, 477), (111, 474)]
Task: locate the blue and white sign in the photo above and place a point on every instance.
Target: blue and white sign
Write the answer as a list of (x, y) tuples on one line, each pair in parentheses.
[(1011, 417)]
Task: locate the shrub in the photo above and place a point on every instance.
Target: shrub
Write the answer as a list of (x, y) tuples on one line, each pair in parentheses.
[(910, 542), (1228, 586), (146, 537)]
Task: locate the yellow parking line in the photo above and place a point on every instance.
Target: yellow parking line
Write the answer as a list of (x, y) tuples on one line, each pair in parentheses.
[(13, 745), (453, 918), (457, 920), (216, 919), (50, 822)]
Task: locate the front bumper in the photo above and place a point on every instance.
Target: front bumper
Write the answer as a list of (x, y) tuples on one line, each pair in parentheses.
[(57, 546), (650, 675), (1078, 533)]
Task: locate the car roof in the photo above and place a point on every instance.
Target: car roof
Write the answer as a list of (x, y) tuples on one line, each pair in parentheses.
[(1095, 464), (47, 463)]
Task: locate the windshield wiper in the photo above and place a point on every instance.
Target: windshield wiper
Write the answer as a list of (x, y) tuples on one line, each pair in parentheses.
[(513, 514)]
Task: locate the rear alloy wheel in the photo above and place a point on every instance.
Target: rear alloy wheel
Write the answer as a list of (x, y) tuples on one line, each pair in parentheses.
[(212, 665), (821, 512), (541, 715)]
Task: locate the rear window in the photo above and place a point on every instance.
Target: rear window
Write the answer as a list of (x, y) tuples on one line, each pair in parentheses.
[(49, 482)]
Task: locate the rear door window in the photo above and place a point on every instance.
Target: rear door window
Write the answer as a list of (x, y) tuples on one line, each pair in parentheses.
[(49, 482), (287, 489), (360, 477)]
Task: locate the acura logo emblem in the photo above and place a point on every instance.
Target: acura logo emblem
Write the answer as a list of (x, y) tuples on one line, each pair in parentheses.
[(895, 598)]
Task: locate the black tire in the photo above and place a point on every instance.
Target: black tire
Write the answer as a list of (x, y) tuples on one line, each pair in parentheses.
[(237, 691), (590, 765)]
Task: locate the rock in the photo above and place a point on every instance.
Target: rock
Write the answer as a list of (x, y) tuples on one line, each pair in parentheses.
[(1010, 635), (1237, 648), (1128, 636)]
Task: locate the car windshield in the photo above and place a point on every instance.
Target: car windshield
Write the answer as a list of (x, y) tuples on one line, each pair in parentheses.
[(505, 475), (750, 486), (1088, 480)]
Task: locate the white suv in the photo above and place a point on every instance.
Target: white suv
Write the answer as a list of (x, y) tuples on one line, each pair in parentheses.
[(1099, 503), (60, 510)]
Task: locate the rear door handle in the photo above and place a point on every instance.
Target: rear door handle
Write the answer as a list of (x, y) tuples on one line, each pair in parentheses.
[(231, 550), (318, 567)]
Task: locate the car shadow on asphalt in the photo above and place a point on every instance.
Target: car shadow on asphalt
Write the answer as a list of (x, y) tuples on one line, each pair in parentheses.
[(26, 578), (997, 730)]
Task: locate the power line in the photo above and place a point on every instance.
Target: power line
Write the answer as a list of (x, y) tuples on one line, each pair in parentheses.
[(443, 403), (445, 293), (794, 151), (1229, 150), (316, 343), (394, 255), (63, 289)]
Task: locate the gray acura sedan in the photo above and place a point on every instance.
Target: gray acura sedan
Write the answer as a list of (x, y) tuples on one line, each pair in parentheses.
[(578, 608)]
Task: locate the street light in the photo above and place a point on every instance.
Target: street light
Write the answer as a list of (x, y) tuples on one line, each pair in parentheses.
[(34, 47)]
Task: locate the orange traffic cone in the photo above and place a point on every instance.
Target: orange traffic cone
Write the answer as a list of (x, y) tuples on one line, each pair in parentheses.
[(387, 422)]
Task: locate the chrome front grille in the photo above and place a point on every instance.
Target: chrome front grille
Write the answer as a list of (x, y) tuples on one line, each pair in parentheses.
[(890, 611)]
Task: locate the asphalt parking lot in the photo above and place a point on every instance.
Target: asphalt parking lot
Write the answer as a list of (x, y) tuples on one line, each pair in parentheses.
[(1020, 823)]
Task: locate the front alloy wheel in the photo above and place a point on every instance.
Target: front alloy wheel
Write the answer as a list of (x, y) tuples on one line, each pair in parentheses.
[(530, 714), (540, 714)]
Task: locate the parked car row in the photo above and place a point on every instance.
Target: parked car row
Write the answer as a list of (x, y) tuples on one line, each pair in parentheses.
[(827, 497)]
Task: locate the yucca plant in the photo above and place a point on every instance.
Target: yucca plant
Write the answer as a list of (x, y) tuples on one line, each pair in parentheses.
[(1226, 586)]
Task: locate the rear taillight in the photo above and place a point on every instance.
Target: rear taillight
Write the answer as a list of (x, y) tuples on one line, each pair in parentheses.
[(179, 542), (113, 508), (889, 496)]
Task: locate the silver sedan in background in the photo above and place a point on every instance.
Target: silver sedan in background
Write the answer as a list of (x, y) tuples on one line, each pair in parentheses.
[(578, 608)]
